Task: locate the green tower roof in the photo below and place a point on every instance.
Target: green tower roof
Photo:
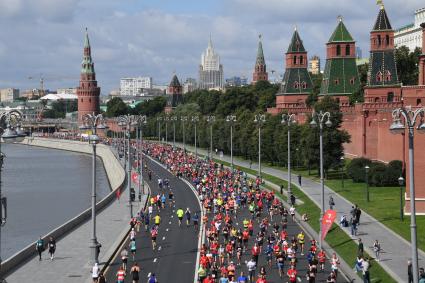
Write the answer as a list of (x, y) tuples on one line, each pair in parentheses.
[(382, 21), (175, 82), (296, 44), (341, 33), (260, 54), (87, 64)]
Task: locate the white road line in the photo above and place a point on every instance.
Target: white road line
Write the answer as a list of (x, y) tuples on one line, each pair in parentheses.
[(163, 238), (154, 260), (159, 248), (166, 230), (169, 222)]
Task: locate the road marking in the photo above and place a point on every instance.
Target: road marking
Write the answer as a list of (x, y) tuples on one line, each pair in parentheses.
[(169, 222), (154, 260), (172, 216), (166, 230), (163, 238), (237, 224), (159, 248)]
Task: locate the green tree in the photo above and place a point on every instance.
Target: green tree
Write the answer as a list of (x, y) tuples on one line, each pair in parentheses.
[(151, 107), (116, 107), (313, 96), (407, 65)]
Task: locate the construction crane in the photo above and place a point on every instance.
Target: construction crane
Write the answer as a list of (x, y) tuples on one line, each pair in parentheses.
[(42, 80)]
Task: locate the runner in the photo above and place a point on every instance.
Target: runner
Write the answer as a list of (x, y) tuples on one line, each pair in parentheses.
[(121, 275), (135, 270), (154, 234), (187, 214), (132, 246), (52, 247), (124, 258), (180, 214), (39, 246), (157, 220), (95, 273)]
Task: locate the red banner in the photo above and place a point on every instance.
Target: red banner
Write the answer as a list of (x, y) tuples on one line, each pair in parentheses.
[(327, 221), (135, 177)]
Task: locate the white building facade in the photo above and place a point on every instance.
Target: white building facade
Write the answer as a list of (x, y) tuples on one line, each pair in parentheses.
[(134, 86), (411, 35), (210, 70), (9, 94)]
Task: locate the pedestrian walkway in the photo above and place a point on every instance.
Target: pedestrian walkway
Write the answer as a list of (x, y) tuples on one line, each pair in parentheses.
[(395, 249), (71, 263)]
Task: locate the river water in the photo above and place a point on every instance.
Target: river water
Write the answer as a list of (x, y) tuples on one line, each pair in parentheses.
[(44, 189)]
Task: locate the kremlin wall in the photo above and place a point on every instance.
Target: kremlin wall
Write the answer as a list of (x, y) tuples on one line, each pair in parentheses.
[(368, 123)]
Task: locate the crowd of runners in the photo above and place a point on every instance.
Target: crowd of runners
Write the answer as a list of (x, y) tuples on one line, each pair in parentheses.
[(245, 226)]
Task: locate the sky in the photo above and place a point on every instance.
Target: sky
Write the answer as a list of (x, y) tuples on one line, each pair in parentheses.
[(159, 37)]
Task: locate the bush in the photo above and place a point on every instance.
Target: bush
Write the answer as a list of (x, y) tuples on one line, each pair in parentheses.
[(356, 170), (394, 171), (378, 174)]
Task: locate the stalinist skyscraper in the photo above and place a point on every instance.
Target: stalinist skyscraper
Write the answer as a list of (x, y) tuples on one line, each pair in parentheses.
[(210, 70)]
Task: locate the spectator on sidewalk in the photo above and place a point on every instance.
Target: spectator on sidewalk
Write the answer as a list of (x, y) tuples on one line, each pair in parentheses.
[(358, 214), (292, 199), (343, 221), (360, 248), (421, 275), (377, 250), (353, 224), (365, 267), (409, 272), (331, 202), (299, 180)]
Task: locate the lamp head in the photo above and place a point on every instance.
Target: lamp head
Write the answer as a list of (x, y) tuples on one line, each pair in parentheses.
[(366, 167), (328, 123), (94, 139), (401, 181), (397, 127), (313, 123)]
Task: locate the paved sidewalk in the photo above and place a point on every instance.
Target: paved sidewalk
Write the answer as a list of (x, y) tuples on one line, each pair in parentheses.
[(396, 250), (71, 263)]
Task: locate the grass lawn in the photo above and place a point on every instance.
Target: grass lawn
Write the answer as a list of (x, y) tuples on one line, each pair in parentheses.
[(336, 237), (384, 204)]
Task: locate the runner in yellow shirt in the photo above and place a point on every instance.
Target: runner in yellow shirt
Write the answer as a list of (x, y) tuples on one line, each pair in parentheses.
[(180, 214), (301, 241)]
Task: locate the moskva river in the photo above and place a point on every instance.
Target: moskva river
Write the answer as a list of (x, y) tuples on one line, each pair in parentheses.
[(44, 189)]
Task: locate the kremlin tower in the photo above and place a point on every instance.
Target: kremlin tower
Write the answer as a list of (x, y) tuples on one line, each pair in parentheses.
[(87, 92), (174, 94), (340, 78), (260, 71), (296, 84)]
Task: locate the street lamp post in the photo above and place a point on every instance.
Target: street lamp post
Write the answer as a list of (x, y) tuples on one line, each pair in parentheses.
[(288, 120), (410, 117), (320, 117), (195, 120), (93, 122), (401, 183), (141, 120), (184, 119), (8, 135), (166, 119), (259, 119), (174, 119), (159, 119), (128, 121), (342, 171), (231, 119), (211, 120), (367, 182)]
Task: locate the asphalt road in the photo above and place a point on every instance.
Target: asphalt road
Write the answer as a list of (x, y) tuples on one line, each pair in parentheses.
[(175, 257)]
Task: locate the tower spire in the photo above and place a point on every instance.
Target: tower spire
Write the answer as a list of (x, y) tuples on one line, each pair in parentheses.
[(260, 73)]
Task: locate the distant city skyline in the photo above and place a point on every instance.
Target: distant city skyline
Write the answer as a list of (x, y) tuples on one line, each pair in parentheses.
[(155, 38)]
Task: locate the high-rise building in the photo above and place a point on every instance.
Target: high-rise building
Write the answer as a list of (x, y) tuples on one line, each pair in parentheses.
[(411, 34), (359, 53), (189, 85), (314, 65), (236, 81), (260, 70), (340, 78), (88, 92), (9, 94), (210, 70), (134, 86)]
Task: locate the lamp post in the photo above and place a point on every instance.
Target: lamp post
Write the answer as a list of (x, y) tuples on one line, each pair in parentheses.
[(319, 118), (211, 120), (159, 119), (127, 121), (195, 120), (367, 182), (8, 135), (166, 119), (184, 119), (141, 120), (231, 119), (174, 119), (93, 122), (259, 119), (401, 183), (342, 171), (288, 120), (410, 117)]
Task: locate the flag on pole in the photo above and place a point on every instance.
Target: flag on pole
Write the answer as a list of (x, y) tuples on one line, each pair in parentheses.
[(327, 221), (135, 177), (118, 193)]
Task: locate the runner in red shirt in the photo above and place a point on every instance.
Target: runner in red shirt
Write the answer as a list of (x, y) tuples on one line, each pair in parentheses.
[(292, 273)]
